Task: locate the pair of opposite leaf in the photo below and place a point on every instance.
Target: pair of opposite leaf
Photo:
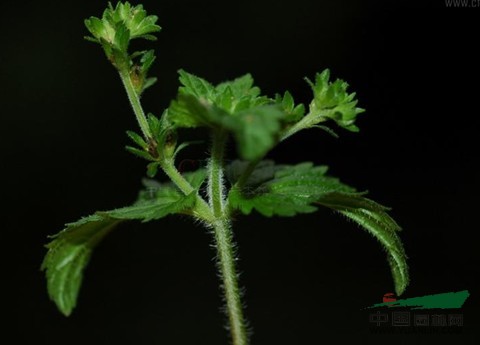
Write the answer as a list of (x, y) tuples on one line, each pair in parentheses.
[(256, 122)]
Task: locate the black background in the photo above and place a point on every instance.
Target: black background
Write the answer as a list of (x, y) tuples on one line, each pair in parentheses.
[(64, 114)]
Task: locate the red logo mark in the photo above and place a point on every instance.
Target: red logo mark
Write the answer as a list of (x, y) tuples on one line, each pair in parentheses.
[(389, 297)]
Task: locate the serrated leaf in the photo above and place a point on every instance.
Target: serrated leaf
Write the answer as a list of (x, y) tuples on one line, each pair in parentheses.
[(255, 130), (373, 218), (297, 189), (332, 101), (118, 26), (269, 204), (68, 255), (195, 86), (291, 190), (70, 250), (240, 87)]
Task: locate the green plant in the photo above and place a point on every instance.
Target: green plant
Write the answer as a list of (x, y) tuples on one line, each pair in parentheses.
[(212, 194)]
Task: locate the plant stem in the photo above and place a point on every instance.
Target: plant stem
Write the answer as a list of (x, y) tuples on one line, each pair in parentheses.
[(226, 265), (215, 215), (177, 178), (216, 191), (224, 241), (135, 102), (308, 121), (201, 209)]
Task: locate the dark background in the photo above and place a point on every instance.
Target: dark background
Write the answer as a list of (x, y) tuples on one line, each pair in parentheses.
[(63, 119)]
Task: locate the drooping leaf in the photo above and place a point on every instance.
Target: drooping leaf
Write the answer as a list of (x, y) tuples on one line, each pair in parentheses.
[(68, 255), (299, 188), (374, 218), (70, 250)]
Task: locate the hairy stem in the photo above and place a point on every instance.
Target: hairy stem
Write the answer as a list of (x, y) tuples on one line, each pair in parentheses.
[(177, 178), (216, 193), (135, 102), (226, 266), (308, 121), (201, 209), (224, 241)]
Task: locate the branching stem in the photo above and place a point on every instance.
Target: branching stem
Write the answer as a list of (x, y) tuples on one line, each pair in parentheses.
[(215, 213)]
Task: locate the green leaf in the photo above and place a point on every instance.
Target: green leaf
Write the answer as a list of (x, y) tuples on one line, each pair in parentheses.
[(291, 190), (294, 113), (68, 255), (147, 60), (137, 139), (155, 124), (195, 86), (269, 204), (240, 87), (332, 101), (70, 250), (239, 94), (287, 190), (122, 37), (264, 171), (139, 153), (95, 26), (374, 219), (190, 111), (152, 169), (156, 209), (149, 82), (118, 26), (255, 130)]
